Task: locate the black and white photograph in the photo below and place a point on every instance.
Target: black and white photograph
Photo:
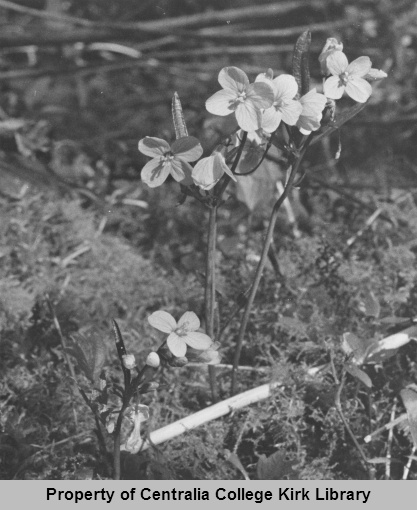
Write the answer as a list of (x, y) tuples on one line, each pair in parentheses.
[(208, 245)]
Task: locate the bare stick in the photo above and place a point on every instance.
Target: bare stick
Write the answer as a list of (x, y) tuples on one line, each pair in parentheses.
[(210, 413)]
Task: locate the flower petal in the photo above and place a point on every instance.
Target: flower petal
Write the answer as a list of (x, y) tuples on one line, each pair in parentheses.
[(163, 321), (176, 344), (181, 171), (291, 112), (153, 147), (187, 148), (203, 173), (233, 78), (222, 103), (197, 340), (248, 116), (337, 63), (358, 89), (285, 87), (221, 166), (155, 172), (176, 170), (271, 119), (333, 87), (260, 94), (313, 105), (189, 321), (359, 67)]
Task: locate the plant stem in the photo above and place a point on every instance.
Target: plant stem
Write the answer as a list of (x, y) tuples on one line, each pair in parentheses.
[(262, 262), (210, 291), (339, 409)]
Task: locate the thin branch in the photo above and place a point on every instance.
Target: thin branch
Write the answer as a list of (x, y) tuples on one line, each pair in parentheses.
[(227, 32), (178, 22)]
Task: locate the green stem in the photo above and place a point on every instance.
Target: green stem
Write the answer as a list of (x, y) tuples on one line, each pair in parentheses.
[(210, 291), (262, 262), (116, 444)]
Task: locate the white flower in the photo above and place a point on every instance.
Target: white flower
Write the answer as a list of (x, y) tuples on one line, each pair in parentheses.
[(284, 108), (349, 77), (168, 159), (182, 334), (330, 47), (239, 96), (313, 105)]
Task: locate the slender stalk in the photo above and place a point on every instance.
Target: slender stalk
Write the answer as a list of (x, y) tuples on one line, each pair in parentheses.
[(116, 444), (262, 262), (210, 291), (339, 409)]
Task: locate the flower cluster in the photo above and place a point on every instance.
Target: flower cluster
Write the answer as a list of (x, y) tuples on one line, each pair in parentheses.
[(259, 108)]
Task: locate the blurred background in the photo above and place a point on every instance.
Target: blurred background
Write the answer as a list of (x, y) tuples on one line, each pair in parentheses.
[(81, 81)]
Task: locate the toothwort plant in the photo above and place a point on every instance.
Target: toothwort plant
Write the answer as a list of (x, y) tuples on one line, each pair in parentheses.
[(282, 111)]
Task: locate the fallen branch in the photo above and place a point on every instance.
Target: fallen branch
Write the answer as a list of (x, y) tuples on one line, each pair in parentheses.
[(210, 413)]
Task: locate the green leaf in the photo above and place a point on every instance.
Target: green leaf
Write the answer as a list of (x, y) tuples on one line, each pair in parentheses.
[(259, 188), (300, 64), (409, 397), (359, 374), (276, 467), (178, 118), (89, 350)]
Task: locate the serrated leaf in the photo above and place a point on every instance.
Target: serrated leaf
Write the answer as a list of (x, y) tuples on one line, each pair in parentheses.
[(359, 374), (178, 118), (409, 398), (369, 305), (276, 467), (89, 350), (300, 64)]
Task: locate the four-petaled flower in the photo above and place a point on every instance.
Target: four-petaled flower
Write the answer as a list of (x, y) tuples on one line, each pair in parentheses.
[(349, 77), (313, 105), (208, 171), (239, 96), (168, 159), (182, 333), (284, 106)]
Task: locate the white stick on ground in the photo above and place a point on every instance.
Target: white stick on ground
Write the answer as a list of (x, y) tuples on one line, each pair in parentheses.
[(210, 413)]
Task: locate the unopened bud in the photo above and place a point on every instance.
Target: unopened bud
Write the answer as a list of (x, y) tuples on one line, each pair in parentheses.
[(153, 360), (330, 47), (178, 362), (110, 424), (129, 361), (375, 74)]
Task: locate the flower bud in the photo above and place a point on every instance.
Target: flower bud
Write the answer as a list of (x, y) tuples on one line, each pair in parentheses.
[(129, 361), (330, 47), (153, 360), (375, 74), (110, 423), (178, 362)]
